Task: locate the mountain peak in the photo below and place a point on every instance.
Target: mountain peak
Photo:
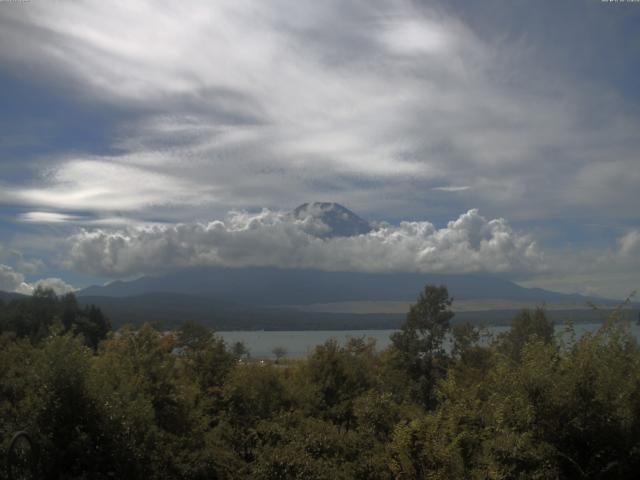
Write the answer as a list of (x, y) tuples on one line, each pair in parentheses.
[(341, 221)]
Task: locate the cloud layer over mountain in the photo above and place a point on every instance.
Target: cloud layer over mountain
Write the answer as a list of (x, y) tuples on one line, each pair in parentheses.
[(119, 116), (471, 243)]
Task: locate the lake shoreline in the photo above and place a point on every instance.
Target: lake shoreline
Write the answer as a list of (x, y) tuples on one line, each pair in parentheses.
[(299, 343)]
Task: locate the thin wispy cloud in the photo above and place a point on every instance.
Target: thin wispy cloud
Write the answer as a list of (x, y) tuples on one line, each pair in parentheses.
[(238, 93), (180, 112), (452, 188), (47, 217)]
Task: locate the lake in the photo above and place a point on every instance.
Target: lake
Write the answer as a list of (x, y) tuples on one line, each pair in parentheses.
[(300, 343)]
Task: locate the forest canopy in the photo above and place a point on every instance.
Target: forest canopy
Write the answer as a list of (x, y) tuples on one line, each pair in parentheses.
[(440, 402)]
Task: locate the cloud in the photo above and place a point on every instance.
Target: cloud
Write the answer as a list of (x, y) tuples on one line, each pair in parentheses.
[(629, 245), (24, 264), (416, 37), (47, 217), (59, 286), (12, 281), (610, 272), (336, 97), (452, 188), (30, 266), (470, 243), (107, 184), (38, 217), (384, 106)]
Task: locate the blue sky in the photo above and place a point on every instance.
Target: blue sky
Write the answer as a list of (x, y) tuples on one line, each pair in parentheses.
[(510, 123)]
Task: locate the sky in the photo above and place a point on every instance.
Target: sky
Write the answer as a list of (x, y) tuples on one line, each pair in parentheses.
[(140, 137)]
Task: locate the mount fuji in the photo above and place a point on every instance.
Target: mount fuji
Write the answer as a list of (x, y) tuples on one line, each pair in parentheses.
[(339, 220), (295, 297)]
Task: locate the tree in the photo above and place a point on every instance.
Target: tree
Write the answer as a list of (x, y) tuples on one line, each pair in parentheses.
[(279, 352), (37, 316), (429, 318), (92, 325), (339, 375), (239, 350), (205, 355), (67, 421), (419, 346), (525, 327)]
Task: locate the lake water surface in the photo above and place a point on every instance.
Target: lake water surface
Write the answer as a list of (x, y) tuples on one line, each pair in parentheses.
[(300, 343)]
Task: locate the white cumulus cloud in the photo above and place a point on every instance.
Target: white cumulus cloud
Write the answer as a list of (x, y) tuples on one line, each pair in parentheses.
[(471, 243), (59, 286), (13, 281)]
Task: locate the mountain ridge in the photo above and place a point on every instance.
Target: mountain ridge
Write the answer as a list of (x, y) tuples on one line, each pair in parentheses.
[(277, 286)]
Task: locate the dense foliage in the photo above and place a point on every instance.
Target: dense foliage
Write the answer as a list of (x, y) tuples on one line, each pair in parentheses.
[(37, 316), (439, 403)]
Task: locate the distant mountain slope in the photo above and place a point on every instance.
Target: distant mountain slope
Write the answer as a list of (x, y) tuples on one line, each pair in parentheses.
[(274, 286), (269, 286), (7, 296), (341, 221), (255, 297), (171, 310)]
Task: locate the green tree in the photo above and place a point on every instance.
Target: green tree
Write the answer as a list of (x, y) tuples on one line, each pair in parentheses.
[(68, 421), (34, 317), (252, 393), (525, 327), (279, 352), (419, 346), (205, 355), (339, 375)]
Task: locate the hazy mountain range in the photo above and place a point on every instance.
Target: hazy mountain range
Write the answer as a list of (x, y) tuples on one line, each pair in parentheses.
[(267, 297), (266, 286), (260, 286), (276, 298)]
